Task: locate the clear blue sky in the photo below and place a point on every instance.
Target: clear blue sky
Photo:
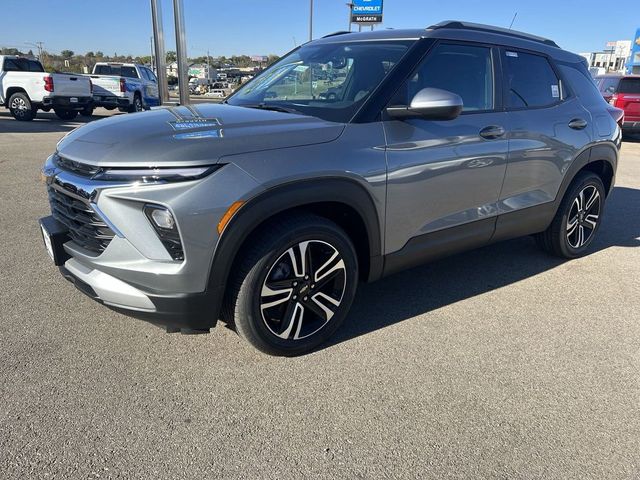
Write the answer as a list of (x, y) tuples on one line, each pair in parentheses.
[(260, 27)]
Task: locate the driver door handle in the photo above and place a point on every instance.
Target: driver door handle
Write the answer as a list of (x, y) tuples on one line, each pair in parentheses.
[(492, 131)]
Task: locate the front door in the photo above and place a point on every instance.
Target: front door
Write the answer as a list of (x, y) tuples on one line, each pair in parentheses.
[(448, 174)]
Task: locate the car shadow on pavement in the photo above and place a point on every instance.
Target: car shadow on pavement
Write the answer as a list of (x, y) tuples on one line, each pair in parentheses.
[(447, 281), (45, 122)]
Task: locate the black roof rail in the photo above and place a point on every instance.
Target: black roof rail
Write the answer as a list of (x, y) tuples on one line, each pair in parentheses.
[(340, 32), (454, 24)]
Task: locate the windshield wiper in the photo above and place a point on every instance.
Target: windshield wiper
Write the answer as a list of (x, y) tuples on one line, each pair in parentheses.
[(273, 108)]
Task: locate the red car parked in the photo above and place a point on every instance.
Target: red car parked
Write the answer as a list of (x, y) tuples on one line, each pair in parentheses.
[(623, 91)]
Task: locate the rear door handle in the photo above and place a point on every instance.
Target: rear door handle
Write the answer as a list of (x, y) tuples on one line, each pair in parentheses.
[(578, 124), (492, 131)]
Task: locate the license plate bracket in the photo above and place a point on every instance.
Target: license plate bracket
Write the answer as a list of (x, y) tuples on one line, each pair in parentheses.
[(54, 235)]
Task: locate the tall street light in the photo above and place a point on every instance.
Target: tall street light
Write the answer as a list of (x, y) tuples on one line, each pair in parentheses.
[(310, 20), (158, 45), (181, 52)]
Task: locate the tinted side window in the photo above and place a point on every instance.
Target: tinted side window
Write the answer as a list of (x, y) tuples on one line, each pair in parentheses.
[(629, 85), (10, 65), (582, 84), (150, 75), (22, 65), (463, 69), (144, 73), (608, 85), (530, 81)]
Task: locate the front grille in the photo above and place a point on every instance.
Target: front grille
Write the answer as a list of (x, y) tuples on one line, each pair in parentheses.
[(78, 168), (86, 228)]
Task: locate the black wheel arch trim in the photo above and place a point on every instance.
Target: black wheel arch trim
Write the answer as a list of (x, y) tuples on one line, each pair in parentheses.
[(285, 197), (605, 151)]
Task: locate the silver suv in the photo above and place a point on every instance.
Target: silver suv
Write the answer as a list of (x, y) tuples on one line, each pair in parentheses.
[(353, 157)]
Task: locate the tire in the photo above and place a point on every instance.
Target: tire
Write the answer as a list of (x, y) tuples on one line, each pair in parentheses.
[(310, 303), (577, 220), (87, 111), (137, 105), (21, 108), (65, 114), (110, 108)]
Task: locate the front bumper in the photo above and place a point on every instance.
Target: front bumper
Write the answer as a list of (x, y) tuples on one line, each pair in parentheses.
[(134, 273), (193, 312), (66, 103)]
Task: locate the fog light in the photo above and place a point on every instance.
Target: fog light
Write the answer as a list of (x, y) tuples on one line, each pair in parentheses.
[(165, 226), (163, 218)]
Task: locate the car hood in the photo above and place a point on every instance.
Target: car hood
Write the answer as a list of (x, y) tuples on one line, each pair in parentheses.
[(191, 135)]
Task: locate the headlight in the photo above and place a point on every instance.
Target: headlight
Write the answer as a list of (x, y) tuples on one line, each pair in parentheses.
[(159, 174)]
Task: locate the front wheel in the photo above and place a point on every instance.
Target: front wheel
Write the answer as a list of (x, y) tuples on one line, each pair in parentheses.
[(577, 220), (294, 285), (66, 114)]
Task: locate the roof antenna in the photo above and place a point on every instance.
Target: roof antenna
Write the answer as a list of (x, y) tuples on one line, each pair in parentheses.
[(513, 20)]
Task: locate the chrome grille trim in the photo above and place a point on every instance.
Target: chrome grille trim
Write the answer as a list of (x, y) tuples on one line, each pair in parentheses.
[(86, 227)]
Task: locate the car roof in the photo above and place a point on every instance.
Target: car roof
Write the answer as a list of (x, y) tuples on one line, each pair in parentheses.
[(457, 30)]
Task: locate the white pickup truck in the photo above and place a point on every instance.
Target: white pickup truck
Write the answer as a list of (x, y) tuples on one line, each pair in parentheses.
[(25, 88), (128, 86)]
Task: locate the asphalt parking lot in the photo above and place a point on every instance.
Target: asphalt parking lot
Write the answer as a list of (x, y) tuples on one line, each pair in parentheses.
[(497, 363)]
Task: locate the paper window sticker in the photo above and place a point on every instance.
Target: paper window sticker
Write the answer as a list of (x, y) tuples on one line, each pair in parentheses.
[(555, 91)]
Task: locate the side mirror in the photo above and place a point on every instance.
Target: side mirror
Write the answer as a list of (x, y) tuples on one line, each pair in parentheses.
[(431, 104)]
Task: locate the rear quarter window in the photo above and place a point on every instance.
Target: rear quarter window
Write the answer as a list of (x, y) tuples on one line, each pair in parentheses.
[(608, 86), (582, 84), (629, 85)]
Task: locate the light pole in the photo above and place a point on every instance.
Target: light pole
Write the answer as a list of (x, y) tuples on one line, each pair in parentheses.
[(158, 43), (350, 5), (310, 20), (181, 52), (38, 45)]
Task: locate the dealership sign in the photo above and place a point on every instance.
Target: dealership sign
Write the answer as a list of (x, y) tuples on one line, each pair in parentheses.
[(366, 12)]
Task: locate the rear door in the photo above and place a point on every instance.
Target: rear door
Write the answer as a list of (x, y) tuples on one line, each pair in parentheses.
[(549, 127), (444, 174)]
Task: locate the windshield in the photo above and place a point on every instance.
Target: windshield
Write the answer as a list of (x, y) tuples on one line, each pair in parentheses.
[(330, 81)]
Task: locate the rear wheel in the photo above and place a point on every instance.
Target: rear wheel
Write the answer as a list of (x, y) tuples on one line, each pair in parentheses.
[(66, 114), (577, 220), (21, 108), (137, 105), (294, 285), (87, 111)]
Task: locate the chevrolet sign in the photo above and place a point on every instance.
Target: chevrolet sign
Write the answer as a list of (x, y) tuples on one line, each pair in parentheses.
[(366, 12)]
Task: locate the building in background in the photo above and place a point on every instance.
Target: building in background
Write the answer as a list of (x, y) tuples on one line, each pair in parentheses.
[(633, 65), (612, 59)]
